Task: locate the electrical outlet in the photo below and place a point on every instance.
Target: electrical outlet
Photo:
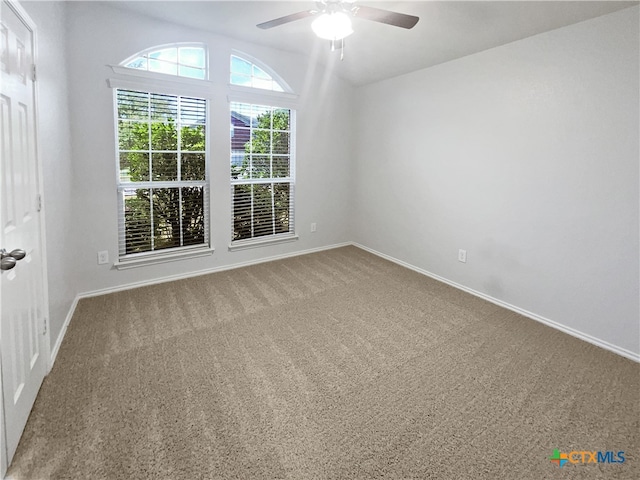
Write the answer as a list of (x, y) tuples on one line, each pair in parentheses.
[(103, 257), (313, 227), (462, 256)]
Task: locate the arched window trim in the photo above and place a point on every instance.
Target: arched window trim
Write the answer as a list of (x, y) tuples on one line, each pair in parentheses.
[(277, 78), (122, 68)]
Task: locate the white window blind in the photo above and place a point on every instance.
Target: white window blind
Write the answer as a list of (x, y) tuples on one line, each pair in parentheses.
[(262, 171), (163, 189)]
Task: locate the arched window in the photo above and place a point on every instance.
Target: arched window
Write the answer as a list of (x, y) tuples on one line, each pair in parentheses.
[(246, 73), (262, 127), (182, 60)]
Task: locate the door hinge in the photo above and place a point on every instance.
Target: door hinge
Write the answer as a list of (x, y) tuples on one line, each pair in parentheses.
[(33, 72), (44, 330), (39, 202)]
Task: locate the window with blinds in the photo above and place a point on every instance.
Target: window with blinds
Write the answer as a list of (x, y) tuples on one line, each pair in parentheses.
[(162, 188), (262, 172)]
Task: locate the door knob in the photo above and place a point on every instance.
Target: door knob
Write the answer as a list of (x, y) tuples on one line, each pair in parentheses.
[(18, 254), (7, 263)]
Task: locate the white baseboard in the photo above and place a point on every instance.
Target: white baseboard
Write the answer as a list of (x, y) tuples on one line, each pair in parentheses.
[(171, 278), (63, 331), (551, 323)]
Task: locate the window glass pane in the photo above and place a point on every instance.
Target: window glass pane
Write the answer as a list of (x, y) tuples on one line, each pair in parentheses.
[(242, 212), (193, 111), (163, 107), (192, 138), (192, 166), (163, 67), (280, 167), (137, 220), (166, 54), (134, 167), (261, 166), (262, 210), (193, 213), (259, 73), (240, 140), (247, 74), (242, 111), (166, 217), (139, 63), (238, 65), (260, 141), (242, 80), (133, 135), (281, 119), (281, 202), (164, 166), (133, 105), (280, 142), (261, 114), (262, 84), (191, 56), (191, 72), (164, 136)]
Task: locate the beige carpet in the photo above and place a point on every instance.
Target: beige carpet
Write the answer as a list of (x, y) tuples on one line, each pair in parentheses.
[(335, 365)]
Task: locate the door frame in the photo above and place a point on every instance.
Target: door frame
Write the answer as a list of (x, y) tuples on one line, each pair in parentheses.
[(25, 18)]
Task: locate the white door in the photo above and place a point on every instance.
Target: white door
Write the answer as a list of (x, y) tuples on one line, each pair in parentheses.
[(22, 325)]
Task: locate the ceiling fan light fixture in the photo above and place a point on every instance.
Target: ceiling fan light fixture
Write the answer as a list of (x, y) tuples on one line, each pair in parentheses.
[(332, 26)]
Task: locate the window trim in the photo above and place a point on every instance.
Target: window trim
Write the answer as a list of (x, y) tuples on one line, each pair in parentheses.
[(263, 241), (130, 79), (161, 256)]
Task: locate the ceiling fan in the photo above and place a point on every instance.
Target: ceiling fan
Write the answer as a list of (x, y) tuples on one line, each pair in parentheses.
[(333, 21)]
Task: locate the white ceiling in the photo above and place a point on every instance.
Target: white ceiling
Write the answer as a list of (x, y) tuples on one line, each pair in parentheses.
[(446, 30)]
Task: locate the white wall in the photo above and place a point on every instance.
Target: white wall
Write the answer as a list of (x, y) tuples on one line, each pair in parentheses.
[(55, 156), (526, 156), (100, 35)]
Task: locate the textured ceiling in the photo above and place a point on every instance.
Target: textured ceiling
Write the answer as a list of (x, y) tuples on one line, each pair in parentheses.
[(446, 30)]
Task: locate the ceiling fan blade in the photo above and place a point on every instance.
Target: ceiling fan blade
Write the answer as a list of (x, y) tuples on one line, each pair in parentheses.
[(386, 16), (286, 19)]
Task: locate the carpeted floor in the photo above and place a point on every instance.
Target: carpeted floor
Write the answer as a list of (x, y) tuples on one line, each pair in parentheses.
[(335, 365)]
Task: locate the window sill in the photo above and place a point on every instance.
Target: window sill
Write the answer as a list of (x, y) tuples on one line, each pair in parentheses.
[(153, 259), (255, 243)]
